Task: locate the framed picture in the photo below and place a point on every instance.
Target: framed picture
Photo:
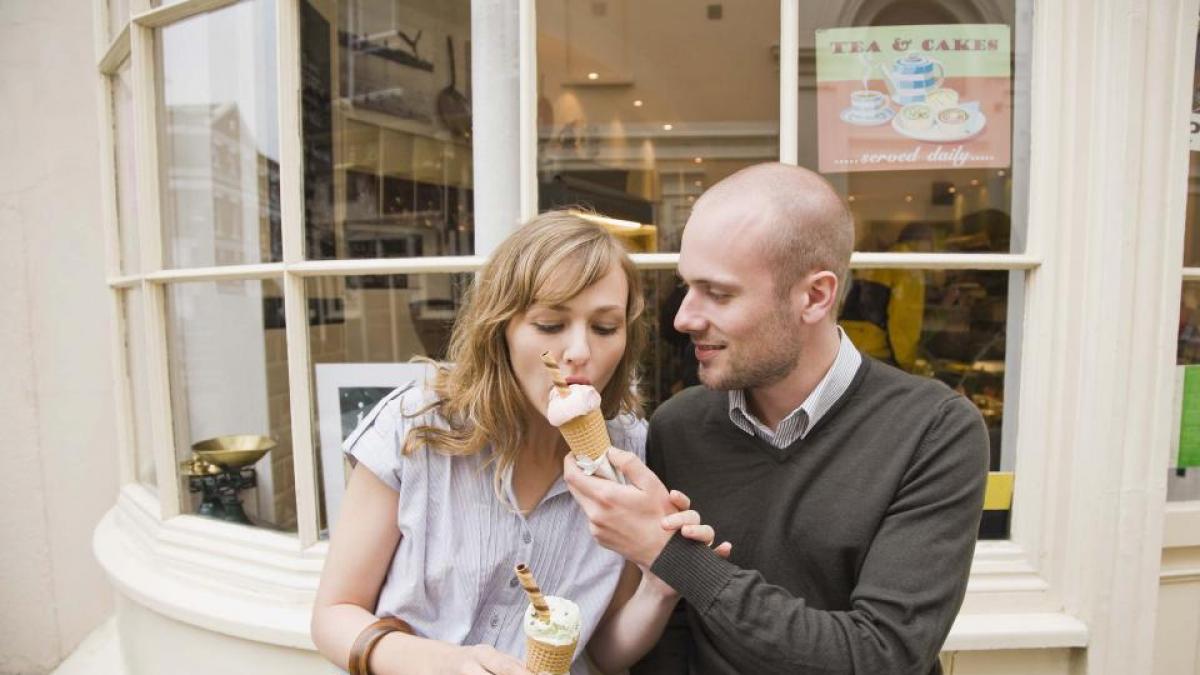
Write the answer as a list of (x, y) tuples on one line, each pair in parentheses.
[(347, 392)]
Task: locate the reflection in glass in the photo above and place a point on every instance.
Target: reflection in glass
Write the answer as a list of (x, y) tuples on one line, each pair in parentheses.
[(363, 330), (229, 376), (139, 383), (966, 209), (387, 129), (126, 169), (1183, 483), (220, 138), (642, 106)]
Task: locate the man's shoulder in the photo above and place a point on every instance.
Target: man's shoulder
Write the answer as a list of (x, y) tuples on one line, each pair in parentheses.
[(885, 383)]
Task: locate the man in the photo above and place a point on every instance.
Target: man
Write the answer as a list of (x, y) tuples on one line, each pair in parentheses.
[(850, 490)]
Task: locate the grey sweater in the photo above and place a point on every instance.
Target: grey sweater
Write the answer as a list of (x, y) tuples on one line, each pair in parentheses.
[(851, 547)]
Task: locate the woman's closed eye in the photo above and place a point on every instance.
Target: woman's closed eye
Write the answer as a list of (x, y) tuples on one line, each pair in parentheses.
[(552, 328)]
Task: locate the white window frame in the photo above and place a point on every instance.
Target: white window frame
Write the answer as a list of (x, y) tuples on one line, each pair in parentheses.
[(1088, 503)]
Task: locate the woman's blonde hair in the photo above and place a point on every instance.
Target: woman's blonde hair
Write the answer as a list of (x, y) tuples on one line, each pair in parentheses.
[(549, 260)]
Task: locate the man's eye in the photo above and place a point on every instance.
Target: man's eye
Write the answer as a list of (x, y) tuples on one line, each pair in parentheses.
[(548, 327), (718, 296)]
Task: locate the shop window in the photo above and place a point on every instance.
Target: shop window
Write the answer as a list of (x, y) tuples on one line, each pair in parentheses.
[(386, 114), (364, 332), (219, 137), (916, 112), (643, 105), (125, 169), (1183, 477), (229, 390)]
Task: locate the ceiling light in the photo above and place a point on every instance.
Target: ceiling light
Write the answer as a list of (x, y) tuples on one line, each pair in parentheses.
[(951, 189), (593, 76), (850, 198), (668, 127), (698, 160), (908, 198), (974, 182), (637, 103)]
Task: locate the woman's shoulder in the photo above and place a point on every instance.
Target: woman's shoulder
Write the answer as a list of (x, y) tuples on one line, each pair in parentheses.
[(378, 439), (628, 432)]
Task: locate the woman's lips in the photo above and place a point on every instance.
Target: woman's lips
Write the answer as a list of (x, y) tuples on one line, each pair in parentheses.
[(578, 379)]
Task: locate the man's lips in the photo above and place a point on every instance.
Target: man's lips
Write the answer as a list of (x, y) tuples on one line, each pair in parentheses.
[(707, 352)]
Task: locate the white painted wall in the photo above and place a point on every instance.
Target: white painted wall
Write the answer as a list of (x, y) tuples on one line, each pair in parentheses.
[(57, 451)]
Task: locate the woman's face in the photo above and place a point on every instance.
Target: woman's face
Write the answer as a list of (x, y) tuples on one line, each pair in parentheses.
[(586, 335)]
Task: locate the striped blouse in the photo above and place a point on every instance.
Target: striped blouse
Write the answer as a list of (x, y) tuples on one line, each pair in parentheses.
[(452, 574)]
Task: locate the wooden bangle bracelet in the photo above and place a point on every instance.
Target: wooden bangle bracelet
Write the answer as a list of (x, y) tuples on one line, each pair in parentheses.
[(364, 644)]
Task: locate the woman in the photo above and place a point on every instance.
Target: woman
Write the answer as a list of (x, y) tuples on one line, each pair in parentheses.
[(454, 485)]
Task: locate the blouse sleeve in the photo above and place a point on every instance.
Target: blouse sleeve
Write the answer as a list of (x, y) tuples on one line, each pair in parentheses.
[(628, 433), (378, 439)]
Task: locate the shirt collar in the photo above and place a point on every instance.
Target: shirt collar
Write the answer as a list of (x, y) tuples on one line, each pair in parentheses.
[(797, 423)]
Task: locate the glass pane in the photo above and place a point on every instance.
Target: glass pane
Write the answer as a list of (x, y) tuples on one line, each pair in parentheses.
[(126, 169), (363, 330), (118, 16), (139, 384), (918, 113), (1183, 481), (641, 106), (220, 138), (386, 116), (229, 377)]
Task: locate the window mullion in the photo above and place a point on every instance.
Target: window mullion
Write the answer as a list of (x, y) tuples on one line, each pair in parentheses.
[(291, 208), (789, 81), (145, 106)]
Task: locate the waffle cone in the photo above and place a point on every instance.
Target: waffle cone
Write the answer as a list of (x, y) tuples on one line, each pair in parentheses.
[(542, 657), (587, 435)]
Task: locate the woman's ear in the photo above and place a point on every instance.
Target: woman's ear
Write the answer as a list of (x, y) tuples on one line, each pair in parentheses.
[(815, 296)]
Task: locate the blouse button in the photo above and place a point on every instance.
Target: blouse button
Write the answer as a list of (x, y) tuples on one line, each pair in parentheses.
[(495, 621), (526, 537), (512, 583)]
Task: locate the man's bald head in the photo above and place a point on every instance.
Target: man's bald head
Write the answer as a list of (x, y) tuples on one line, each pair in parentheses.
[(800, 222)]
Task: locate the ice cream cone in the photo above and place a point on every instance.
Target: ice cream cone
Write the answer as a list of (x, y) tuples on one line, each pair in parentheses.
[(587, 434), (543, 657)]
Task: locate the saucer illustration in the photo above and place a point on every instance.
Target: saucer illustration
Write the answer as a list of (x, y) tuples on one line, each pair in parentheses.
[(945, 126), (864, 118)]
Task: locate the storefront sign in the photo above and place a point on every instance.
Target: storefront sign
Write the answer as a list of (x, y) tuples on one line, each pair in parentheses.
[(914, 97), (1189, 422)]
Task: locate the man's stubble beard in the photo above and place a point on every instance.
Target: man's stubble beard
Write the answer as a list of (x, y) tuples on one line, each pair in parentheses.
[(764, 359)]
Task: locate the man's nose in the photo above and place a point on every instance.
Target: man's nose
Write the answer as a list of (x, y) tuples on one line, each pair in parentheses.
[(687, 318)]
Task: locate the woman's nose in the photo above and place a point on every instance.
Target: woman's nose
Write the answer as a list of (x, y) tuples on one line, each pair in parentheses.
[(577, 351)]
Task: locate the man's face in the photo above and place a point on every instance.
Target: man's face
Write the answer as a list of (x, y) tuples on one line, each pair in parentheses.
[(743, 332)]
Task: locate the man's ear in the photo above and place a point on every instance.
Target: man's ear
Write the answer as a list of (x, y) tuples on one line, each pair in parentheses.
[(815, 296)]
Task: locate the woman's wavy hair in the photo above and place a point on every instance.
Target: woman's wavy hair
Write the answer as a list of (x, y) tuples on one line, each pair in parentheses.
[(549, 260)]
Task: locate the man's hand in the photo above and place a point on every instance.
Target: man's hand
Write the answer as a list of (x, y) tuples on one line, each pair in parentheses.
[(626, 519)]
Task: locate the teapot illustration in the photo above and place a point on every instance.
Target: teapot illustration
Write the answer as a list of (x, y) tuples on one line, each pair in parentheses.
[(911, 77)]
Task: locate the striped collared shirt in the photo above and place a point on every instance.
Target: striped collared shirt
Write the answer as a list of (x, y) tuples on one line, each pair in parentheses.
[(799, 421), (452, 577)]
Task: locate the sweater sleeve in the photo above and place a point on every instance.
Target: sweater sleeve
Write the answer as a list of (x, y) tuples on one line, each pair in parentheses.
[(908, 591)]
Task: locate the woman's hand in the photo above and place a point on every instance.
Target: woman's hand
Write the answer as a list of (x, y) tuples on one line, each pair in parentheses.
[(479, 660), (689, 525)]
